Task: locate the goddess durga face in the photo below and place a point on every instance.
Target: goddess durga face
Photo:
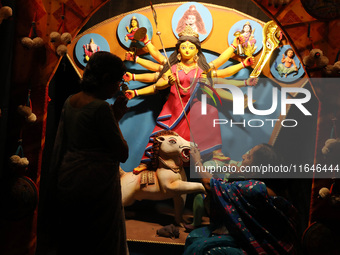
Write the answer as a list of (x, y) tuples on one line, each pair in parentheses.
[(188, 50)]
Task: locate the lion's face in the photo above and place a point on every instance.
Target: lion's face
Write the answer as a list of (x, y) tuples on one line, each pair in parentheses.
[(174, 146)]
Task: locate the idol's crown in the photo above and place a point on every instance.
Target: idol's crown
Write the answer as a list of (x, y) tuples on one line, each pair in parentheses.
[(188, 31)]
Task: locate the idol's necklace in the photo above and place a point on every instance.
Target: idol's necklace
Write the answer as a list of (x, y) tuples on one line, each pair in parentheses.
[(186, 70)]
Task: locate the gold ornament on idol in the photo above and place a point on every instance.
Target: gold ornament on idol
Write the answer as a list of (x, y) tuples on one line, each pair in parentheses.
[(186, 69), (271, 40), (188, 31)]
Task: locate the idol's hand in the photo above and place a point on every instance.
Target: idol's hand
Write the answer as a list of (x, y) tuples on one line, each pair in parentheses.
[(248, 61), (171, 79), (130, 56), (129, 94), (238, 40), (204, 78), (145, 40), (252, 81), (128, 77)]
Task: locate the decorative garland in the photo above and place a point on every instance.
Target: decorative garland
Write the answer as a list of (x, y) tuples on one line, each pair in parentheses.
[(60, 41)]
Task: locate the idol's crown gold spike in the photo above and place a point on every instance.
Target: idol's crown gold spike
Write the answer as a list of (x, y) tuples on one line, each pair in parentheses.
[(188, 31)]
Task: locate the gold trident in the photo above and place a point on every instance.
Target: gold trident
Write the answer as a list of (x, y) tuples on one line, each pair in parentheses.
[(271, 40)]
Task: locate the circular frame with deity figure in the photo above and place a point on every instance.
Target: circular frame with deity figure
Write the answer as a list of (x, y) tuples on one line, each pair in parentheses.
[(88, 45), (251, 31), (285, 65), (130, 26), (196, 15)]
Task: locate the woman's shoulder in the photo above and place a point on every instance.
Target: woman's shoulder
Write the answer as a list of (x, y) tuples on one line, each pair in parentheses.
[(79, 101), (99, 105)]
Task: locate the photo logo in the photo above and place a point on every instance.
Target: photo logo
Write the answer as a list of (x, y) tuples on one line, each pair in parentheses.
[(278, 102), (211, 94), (238, 100)]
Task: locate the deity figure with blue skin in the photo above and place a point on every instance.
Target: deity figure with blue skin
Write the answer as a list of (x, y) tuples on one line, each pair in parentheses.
[(188, 66)]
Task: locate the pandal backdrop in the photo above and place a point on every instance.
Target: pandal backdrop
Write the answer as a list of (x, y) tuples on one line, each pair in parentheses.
[(305, 26)]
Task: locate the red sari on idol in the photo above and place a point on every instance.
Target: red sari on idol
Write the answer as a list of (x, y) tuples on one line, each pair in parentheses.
[(131, 35), (172, 117)]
